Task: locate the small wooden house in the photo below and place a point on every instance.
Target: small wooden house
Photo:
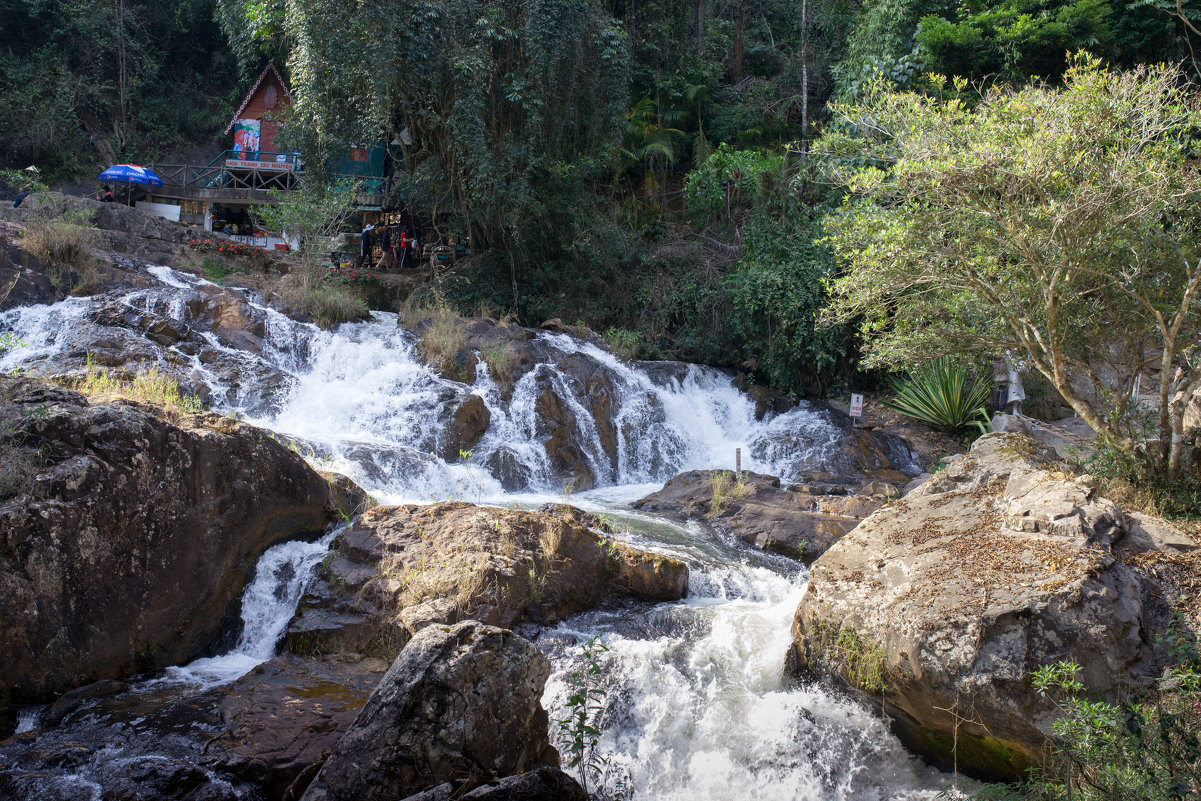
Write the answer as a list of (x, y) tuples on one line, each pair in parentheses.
[(255, 124)]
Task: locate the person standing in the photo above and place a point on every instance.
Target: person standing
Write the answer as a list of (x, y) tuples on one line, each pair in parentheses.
[(385, 246), (404, 248), (365, 251)]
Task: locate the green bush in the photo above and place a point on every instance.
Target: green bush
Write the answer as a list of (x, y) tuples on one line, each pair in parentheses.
[(1147, 749), (941, 394)]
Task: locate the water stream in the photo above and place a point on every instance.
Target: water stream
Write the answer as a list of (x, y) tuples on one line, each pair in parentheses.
[(695, 708)]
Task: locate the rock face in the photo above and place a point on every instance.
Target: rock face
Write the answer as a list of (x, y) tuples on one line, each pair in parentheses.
[(400, 569), (461, 704), (23, 279), (951, 596), (800, 521), (543, 784), (284, 717), (128, 533)]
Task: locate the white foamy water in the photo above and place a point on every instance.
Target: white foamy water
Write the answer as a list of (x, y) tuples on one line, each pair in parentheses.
[(283, 574), (695, 708)]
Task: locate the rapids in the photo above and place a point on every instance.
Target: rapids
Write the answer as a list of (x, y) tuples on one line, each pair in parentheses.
[(694, 704)]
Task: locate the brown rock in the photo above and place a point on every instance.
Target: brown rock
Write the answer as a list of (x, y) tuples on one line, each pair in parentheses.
[(400, 569), (800, 522), (131, 548), (460, 704), (468, 422), (285, 716), (951, 596)]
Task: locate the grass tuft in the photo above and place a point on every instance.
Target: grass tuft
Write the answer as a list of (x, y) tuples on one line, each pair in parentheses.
[(149, 385)]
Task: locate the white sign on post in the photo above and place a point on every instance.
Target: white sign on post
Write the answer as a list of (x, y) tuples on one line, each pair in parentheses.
[(856, 405)]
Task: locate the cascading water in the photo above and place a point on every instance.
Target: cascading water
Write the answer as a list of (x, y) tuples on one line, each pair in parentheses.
[(283, 574), (694, 707)]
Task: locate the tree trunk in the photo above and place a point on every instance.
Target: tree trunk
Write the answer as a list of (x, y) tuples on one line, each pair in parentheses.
[(804, 76), (738, 48), (96, 134), (699, 22)]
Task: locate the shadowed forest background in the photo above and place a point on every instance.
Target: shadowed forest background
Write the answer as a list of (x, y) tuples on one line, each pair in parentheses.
[(638, 167)]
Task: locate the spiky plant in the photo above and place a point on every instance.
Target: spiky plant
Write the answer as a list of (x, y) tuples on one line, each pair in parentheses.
[(941, 394)]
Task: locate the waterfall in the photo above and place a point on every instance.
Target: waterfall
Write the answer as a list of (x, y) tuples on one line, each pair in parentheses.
[(694, 705), (359, 400), (282, 575)]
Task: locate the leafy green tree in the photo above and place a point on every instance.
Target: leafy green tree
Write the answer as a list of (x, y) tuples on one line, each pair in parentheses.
[(1058, 225), (778, 291), (312, 214), (102, 80)]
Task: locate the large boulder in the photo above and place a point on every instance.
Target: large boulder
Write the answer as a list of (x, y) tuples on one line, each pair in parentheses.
[(800, 521), (401, 568), (128, 533), (945, 601), (461, 704)]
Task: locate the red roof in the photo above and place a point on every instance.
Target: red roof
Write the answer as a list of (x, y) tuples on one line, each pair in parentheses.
[(268, 70)]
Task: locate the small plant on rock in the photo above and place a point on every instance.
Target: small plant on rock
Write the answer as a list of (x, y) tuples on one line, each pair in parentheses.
[(584, 706), (727, 487)]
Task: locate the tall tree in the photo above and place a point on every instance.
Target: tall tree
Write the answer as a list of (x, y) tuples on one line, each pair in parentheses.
[(1058, 226)]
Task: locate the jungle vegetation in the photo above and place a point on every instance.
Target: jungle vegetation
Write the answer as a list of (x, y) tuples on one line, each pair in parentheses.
[(647, 169)]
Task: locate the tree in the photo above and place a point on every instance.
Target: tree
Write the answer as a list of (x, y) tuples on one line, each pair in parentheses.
[(312, 214), (1058, 225)]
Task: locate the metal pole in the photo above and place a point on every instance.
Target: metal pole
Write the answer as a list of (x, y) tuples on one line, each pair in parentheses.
[(738, 461)]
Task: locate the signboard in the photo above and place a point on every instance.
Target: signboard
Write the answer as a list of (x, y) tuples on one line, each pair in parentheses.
[(260, 241), (856, 405), (246, 136), (249, 164)]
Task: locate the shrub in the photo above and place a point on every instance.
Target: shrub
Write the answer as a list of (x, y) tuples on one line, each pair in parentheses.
[(149, 384), (501, 360), (941, 394), (327, 304), (726, 488), (56, 242), (624, 343), (442, 335), (1148, 748)]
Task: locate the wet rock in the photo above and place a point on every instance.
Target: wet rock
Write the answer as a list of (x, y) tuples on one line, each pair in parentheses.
[(130, 549), (557, 326), (285, 716), (951, 596), (801, 521), (400, 569), (461, 704), (558, 426), (468, 422), (543, 784), (70, 701), (24, 279)]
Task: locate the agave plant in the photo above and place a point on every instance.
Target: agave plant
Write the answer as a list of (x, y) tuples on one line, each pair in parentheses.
[(941, 394)]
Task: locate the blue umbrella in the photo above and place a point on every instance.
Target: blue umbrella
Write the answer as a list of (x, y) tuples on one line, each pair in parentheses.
[(130, 174)]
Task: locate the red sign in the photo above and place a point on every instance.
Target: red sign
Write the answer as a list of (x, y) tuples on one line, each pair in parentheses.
[(244, 164)]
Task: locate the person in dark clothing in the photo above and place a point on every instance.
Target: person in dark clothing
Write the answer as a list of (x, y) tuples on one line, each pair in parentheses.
[(20, 198), (385, 245), (365, 254), (107, 197)]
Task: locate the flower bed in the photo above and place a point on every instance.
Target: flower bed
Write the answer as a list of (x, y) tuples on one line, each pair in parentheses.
[(225, 248), (348, 277)]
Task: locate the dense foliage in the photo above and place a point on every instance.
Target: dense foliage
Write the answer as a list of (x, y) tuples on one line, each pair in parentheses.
[(637, 167), (1059, 225), (99, 81)]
